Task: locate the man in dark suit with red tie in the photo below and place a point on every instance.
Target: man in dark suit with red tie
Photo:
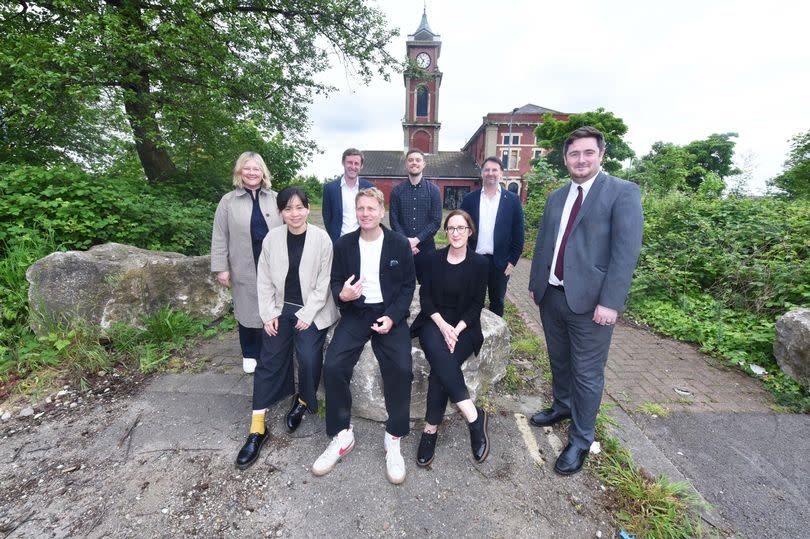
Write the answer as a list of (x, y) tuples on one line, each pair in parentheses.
[(587, 248)]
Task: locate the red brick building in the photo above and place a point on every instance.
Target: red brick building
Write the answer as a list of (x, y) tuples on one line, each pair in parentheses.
[(508, 135)]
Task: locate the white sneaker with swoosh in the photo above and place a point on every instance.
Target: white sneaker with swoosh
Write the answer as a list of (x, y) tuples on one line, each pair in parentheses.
[(340, 445)]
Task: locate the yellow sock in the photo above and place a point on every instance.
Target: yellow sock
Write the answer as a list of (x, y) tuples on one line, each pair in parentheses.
[(257, 423), (302, 401)]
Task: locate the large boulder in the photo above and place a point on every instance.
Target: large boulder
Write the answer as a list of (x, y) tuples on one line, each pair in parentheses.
[(479, 372), (119, 283), (792, 345)]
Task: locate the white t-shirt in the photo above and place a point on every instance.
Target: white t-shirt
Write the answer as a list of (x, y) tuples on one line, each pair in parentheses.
[(370, 254)]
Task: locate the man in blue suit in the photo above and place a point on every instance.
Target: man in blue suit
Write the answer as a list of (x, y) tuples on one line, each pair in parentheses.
[(338, 196), (498, 217), (586, 251)]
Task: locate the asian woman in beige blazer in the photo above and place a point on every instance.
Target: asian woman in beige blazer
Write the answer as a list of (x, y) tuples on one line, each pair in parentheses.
[(297, 309)]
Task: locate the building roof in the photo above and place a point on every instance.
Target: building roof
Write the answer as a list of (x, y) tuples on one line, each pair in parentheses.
[(529, 108), (424, 33), (381, 164)]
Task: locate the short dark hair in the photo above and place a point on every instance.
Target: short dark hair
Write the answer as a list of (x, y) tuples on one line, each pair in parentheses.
[(352, 151), (467, 217), (493, 159), (288, 193), (414, 150), (585, 132)]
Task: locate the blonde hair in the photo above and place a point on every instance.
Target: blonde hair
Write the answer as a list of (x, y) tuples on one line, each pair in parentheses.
[(371, 192), (244, 158)]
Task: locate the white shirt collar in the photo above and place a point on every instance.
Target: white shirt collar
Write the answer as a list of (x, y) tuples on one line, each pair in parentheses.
[(586, 186)]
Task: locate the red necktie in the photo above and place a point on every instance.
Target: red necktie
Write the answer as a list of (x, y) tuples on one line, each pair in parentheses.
[(558, 267)]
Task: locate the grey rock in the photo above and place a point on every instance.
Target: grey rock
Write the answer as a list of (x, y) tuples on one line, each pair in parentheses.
[(6, 416), (791, 347), (119, 283), (479, 372), (26, 412)]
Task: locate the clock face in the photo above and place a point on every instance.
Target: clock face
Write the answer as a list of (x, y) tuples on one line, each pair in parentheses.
[(423, 60)]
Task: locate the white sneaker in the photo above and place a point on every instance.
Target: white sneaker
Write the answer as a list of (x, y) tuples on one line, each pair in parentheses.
[(337, 448), (248, 364), (394, 463)]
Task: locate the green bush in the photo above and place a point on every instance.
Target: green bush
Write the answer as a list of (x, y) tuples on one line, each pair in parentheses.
[(81, 210), (719, 272)]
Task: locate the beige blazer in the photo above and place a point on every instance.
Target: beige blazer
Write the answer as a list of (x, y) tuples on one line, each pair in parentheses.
[(314, 272), (231, 248)]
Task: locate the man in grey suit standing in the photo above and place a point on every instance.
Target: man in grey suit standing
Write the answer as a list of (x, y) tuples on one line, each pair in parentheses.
[(587, 248)]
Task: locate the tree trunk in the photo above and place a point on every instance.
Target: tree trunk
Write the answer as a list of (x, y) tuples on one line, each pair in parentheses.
[(155, 160)]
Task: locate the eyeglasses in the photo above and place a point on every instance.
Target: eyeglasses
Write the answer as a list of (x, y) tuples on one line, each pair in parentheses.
[(457, 229)]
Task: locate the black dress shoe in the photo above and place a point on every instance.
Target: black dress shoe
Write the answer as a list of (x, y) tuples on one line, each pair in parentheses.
[(479, 437), (427, 447), (250, 451), (548, 417), (570, 460), (296, 414)]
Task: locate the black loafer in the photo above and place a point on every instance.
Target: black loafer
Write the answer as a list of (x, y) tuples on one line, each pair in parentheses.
[(250, 451), (296, 414), (479, 436), (570, 460), (427, 448), (548, 417)]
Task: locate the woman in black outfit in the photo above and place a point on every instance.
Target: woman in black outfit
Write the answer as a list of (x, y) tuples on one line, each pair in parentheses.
[(449, 329)]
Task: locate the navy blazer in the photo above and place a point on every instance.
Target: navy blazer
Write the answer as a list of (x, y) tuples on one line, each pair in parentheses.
[(397, 273), (475, 270), (509, 229), (333, 206), (602, 249)]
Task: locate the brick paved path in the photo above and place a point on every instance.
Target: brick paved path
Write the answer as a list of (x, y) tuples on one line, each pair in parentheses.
[(644, 367)]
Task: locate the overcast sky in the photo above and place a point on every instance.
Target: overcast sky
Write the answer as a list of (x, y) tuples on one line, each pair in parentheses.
[(674, 71)]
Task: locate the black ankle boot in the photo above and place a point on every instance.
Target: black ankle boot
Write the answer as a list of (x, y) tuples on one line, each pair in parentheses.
[(427, 446), (296, 414), (251, 450), (479, 437)]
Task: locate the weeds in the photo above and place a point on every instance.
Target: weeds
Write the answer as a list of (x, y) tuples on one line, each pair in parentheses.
[(651, 408), (647, 507)]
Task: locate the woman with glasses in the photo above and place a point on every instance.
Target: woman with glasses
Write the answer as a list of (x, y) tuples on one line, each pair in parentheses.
[(449, 330)]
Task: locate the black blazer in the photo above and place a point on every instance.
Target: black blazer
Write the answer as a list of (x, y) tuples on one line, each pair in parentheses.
[(475, 273), (397, 274), (509, 227)]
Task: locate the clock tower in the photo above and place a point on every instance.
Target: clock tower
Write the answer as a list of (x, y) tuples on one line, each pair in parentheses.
[(420, 125)]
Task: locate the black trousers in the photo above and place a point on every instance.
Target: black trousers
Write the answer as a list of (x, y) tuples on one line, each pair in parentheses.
[(425, 248), (496, 287), (250, 340), (273, 379), (445, 379), (393, 352)]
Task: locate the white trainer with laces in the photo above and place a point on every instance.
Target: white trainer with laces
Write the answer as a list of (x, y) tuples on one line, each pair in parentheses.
[(337, 448), (394, 463), (248, 364)]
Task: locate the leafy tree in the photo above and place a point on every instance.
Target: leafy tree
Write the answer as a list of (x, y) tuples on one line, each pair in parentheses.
[(182, 73), (551, 134), (664, 169), (670, 167), (794, 182), (714, 154)]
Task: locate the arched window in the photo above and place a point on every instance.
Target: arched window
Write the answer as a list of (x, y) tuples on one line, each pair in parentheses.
[(422, 101)]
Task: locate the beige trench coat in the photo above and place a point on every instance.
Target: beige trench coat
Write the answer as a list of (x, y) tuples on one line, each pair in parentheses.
[(231, 248), (314, 273)]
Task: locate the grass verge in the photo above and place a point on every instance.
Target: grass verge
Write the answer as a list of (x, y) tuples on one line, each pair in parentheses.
[(645, 506)]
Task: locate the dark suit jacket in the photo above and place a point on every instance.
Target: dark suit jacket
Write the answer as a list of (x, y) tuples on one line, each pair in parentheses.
[(602, 249), (333, 207), (397, 274), (509, 229), (475, 268)]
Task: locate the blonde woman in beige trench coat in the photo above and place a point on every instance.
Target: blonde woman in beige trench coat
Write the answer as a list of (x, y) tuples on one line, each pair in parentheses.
[(242, 220)]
